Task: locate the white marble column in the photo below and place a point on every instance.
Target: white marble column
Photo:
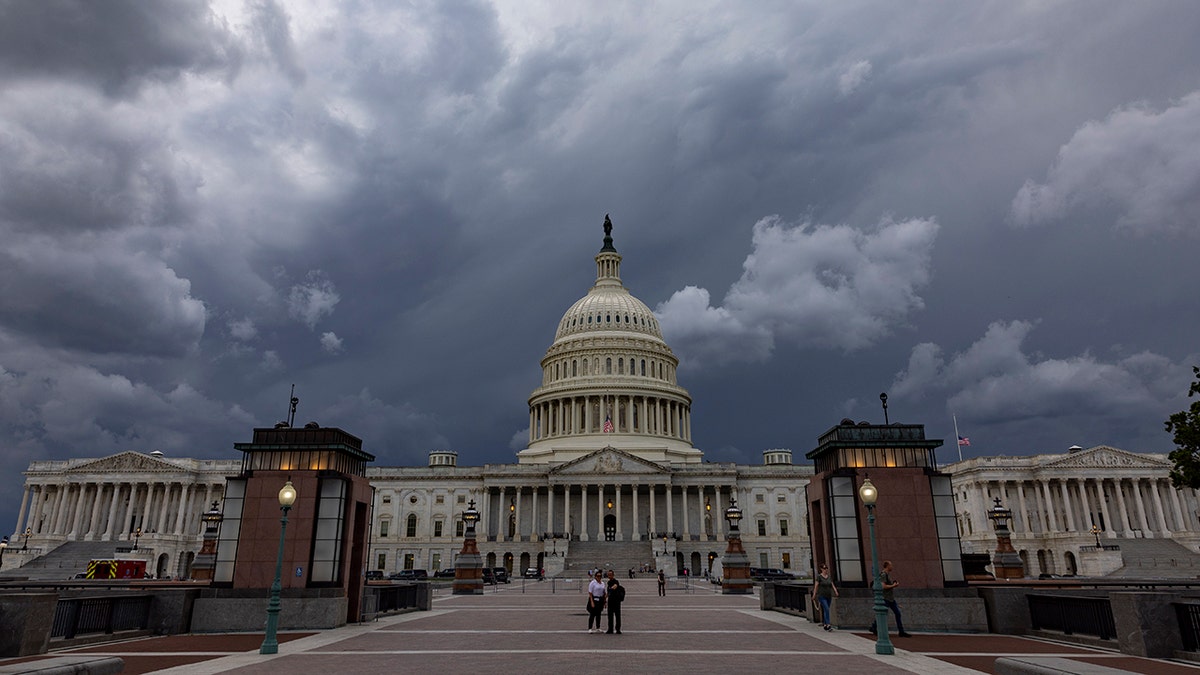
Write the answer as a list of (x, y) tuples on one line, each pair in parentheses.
[(77, 519), (1024, 520), (654, 527), (164, 508), (600, 512), (56, 508), (1156, 499), (1139, 501), (685, 514), (1067, 508), (636, 535), (517, 513), (620, 532), (1123, 514), (1049, 502), (670, 508), (112, 512), (550, 499), (1108, 524), (35, 515), (25, 499), (535, 522), (567, 509), (1181, 523)]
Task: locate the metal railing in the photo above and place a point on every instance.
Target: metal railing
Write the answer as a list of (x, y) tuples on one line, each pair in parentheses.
[(793, 597), (1072, 615), (394, 598), (108, 614), (1188, 614)]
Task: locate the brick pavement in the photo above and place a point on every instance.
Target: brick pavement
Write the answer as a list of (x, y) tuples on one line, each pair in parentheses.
[(533, 627)]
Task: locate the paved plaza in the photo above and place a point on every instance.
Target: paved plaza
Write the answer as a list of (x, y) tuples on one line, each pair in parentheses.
[(540, 627)]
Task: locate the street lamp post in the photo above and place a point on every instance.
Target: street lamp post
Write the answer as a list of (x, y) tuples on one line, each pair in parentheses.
[(28, 533), (664, 545), (137, 535), (1096, 533), (883, 645), (270, 645)]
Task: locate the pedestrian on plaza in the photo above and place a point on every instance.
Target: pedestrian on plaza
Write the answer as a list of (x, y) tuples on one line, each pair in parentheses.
[(662, 583), (824, 591), (616, 594), (889, 597), (597, 592)]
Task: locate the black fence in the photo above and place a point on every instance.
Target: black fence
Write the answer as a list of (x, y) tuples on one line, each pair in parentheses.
[(107, 614), (394, 598), (1073, 615), (793, 597), (1188, 614)]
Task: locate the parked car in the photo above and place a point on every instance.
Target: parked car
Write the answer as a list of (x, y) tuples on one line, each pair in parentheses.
[(374, 575), (447, 573), (532, 573), (489, 575), (502, 576), (768, 574), (409, 575)]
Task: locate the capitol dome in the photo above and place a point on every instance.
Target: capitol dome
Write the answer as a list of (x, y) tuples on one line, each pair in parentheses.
[(608, 379)]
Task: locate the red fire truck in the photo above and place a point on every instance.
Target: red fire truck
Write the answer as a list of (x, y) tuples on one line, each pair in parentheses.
[(119, 568)]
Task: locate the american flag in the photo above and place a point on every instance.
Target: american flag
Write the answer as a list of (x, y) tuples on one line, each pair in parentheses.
[(608, 427), (963, 440)]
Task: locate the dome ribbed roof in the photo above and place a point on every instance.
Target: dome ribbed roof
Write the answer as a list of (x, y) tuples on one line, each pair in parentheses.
[(608, 309)]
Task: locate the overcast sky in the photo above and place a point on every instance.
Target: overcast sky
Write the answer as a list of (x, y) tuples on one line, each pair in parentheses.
[(986, 209)]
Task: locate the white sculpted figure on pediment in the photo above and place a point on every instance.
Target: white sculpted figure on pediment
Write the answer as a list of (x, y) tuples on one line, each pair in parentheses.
[(609, 460), (1103, 456), (125, 461)]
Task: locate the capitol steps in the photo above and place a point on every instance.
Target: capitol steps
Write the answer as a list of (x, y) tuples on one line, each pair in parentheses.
[(615, 555), (65, 561), (1156, 558)]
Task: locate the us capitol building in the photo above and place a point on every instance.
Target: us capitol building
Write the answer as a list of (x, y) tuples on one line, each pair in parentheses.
[(610, 478)]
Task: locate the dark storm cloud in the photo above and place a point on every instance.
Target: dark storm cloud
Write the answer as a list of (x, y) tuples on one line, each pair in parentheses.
[(115, 45), (391, 205)]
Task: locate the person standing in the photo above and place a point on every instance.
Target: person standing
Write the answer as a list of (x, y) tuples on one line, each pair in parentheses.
[(824, 591), (596, 594), (889, 597), (662, 583), (616, 594)]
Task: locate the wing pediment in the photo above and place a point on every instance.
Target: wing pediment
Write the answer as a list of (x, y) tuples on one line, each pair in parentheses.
[(127, 461), (609, 460), (1107, 457)]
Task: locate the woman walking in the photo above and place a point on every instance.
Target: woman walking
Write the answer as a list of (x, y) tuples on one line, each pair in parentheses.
[(824, 592)]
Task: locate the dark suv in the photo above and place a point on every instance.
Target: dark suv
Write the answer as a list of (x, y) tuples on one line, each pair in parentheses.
[(489, 575), (502, 576), (409, 575), (768, 574)]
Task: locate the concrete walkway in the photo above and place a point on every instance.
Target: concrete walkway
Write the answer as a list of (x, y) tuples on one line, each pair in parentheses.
[(533, 627)]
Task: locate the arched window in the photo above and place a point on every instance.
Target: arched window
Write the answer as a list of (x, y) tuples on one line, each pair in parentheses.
[(608, 366), (574, 368), (620, 366), (411, 529), (643, 367)]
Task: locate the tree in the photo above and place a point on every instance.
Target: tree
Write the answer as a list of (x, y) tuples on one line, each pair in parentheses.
[(1185, 424)]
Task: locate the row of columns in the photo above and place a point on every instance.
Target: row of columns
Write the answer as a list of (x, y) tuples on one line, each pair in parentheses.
[(1117, 506), (629, 413), (104, 511), (640, 511)]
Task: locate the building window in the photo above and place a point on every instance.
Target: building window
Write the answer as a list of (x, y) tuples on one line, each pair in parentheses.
[(458, 528), (387, 499), (408, 561), (381, 562), (759, 499), (383, 527), (787, 560), (437, 528), (762, 559), (762, 527), (462, 499), (326, 563), (411, 530), (440, 499), (783, 530), (782, 499), (437, 561)]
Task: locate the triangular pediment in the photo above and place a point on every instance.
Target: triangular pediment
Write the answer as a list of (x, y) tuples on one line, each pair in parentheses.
[(1106, 457), (124, 461), (609, 460)]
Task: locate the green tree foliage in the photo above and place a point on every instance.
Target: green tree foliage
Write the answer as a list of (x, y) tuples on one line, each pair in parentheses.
[(1185, 424)]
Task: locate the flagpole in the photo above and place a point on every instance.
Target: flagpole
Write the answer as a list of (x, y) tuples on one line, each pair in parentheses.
[(957, 438)]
